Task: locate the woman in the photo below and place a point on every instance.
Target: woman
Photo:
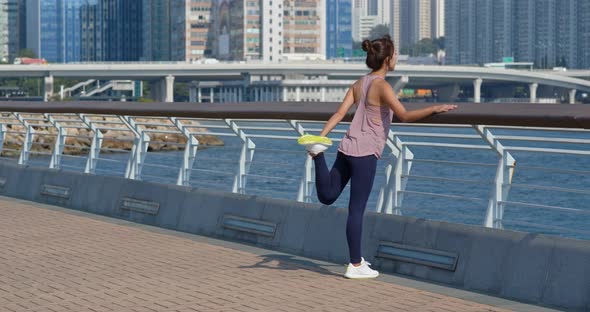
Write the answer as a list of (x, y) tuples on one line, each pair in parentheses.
[(362, 145)]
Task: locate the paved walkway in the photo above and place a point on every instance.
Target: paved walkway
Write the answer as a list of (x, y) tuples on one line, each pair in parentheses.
[(53, 260)]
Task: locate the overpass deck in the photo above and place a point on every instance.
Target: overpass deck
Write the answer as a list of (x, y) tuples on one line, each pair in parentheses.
[(55, 259)]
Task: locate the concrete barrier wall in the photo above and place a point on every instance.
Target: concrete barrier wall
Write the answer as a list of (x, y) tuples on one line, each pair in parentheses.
[(527, 267)]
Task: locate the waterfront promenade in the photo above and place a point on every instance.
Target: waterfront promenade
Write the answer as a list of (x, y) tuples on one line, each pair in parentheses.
[(55, 259)]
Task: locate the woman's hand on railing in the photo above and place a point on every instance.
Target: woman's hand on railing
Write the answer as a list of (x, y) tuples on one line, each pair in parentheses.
[(442, 108)]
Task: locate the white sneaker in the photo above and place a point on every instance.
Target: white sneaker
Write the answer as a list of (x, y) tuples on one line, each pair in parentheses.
[(314, 144), (316, 148), (362, 271)]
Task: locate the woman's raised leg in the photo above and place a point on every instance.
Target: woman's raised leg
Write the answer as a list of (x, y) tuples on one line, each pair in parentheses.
[(330, 183)]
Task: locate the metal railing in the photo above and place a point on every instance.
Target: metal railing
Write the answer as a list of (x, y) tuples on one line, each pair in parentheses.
[(457, 173)]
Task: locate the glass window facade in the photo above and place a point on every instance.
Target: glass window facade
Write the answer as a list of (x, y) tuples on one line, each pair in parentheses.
[(338, 28), (51, 31)]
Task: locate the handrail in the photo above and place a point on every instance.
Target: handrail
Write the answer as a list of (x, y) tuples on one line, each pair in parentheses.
[(516, 114)]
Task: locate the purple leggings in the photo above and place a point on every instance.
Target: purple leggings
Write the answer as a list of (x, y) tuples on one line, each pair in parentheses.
[(330, 183)]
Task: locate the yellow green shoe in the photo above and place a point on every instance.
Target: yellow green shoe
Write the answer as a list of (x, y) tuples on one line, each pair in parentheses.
[(314, 143)]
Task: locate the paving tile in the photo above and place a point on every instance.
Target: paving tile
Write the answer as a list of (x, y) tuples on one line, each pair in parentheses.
[(55, 261)]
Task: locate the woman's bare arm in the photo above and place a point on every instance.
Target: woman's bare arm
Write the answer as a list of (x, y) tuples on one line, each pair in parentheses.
[(340, 113), (389, 97)]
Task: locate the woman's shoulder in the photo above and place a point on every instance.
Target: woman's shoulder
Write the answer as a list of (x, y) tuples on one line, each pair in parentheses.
[(380, 83)]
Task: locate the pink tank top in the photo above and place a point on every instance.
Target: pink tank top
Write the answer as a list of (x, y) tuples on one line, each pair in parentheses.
[(369, 128)]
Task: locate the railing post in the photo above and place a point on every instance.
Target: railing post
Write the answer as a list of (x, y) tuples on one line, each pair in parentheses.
[(305, 185), (28, 141), (246, 157), (138, 151), (394, 195), (386, 187), (95, 146), (3, 129), (502, 181), (190, 153), (60, 141)]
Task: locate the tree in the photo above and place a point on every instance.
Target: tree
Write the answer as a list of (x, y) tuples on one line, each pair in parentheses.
[(425, 46), (27, 53), (357, 45), (181, 92), (440, 42), (378, 32)]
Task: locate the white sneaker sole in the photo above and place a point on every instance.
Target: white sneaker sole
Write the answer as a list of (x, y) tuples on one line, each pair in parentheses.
[(360, 276), (316, 148)]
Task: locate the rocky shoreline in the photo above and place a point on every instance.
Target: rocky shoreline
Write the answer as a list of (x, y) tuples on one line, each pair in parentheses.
[(44, 139)]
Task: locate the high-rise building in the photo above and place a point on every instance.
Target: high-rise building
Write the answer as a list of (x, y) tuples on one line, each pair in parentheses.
[(22, 24), (362, 26), (502, 23), (423, 19), (198, 37), (373, 7), (72, 30), (359, 9), (395, 26), (112, 30), (267, 30), (157, 30), (122, 29), (411, 21), (524, 28), (483, 23), (45, 29), (437, 18), (54, 29), (176, 30), (477, 31), (384, 12), (237, 29), (91, 43), (305, 27), (274, 34), (338, 28), (9, 29), (460, 31), (546, 32), (583, 31), (566, 33), (366, 14)]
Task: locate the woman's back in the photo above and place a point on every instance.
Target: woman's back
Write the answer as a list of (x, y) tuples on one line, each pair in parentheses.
[(373, 94), (369, 129)]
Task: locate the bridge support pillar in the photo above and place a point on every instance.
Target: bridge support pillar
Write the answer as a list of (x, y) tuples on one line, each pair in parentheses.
[(573, 96), (477, 90), (193, 92), (169, 89), (533, 92), (48, 90), (297, 94)]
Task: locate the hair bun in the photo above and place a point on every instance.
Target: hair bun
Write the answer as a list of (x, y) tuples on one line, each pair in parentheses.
[(367, 45)]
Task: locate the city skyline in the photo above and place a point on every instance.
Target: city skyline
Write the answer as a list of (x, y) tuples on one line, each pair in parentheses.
[(476, 32), (547, 33)]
